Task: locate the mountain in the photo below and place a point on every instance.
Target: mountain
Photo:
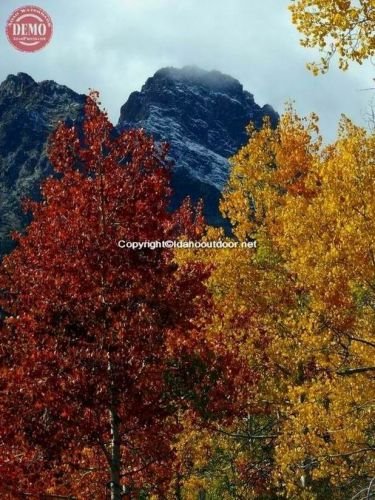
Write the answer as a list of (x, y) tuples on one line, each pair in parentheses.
[(203, 115), (29, 112)]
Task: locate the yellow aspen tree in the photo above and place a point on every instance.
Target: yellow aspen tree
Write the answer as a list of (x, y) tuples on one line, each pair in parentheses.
[(299, 309), (312, 211), (331, 250)]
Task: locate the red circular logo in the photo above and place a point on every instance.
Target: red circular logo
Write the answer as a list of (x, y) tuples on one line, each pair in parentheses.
[(29, 28)]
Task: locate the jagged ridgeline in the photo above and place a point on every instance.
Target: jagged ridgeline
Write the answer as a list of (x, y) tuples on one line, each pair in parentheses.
[(202, 114), (29, 112)]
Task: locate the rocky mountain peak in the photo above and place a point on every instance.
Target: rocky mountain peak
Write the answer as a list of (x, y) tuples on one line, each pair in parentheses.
[(15, 85), (29, 111), (191, 76), (203, 115)]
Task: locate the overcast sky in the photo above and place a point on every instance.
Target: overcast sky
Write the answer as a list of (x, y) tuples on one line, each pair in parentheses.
[(115, 45)]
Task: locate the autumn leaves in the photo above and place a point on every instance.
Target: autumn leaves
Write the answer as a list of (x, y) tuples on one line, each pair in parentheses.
[(193, 373), (228, 372), (341, 28), (301, 309), (312, 211), (104, 350)]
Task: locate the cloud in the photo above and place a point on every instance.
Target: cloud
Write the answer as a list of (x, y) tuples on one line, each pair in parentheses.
[(114, 46)]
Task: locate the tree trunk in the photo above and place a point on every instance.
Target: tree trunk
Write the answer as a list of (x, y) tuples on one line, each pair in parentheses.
[(115, 451), (116, 489), (178, 493)]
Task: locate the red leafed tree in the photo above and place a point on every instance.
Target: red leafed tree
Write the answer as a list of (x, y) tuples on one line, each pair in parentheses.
[(101, 347)]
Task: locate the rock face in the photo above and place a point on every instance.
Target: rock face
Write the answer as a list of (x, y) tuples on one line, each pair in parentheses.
[(29, 111), (203, 115)]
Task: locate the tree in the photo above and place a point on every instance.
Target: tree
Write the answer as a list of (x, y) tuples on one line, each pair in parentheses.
[(311, 209), (343, 27), (300, 309), (103, 346)]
